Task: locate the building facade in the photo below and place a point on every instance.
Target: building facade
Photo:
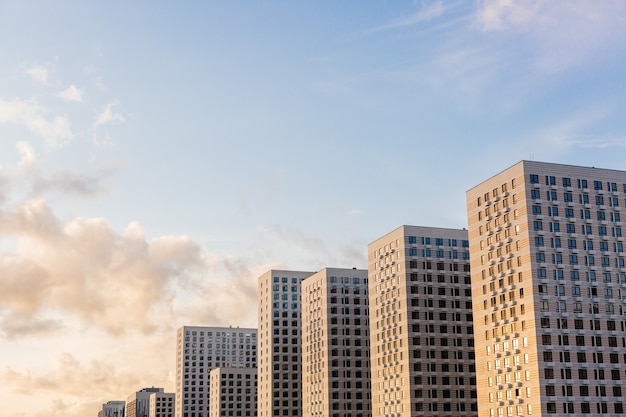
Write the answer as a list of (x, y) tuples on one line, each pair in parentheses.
[(112, 409), (280, 364), (422, 342), (200, 349), (233, 392), (162, 404), (548, 278), (138, 403), (335, 344)]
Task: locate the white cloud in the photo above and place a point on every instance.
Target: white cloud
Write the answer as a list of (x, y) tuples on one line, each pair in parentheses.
[(27, 153), (108, 116), (56, 132), (564, 33), (38, 73), (71, 93), (424, 14)]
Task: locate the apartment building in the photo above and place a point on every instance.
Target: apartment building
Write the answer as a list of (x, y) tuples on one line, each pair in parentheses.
[(138, 403), (335, 344), (162, 404), (200, 349), (112, 409), (233, 392), (422, 342), (280, 365), (548, 278)]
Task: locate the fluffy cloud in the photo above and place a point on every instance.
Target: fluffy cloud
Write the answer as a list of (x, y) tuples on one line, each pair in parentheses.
[(84, 385), (27, 153), (38, 73), (108, 116), (71, 93), (119, 282), (28, 113), (92, 295)]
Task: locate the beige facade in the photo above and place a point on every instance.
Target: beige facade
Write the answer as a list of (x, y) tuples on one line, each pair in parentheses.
[(138, 403), (199, 349), (112, 409), (421, 332), (547, 277), (280, 364), (162, 404), (233, 392), (335, 344)]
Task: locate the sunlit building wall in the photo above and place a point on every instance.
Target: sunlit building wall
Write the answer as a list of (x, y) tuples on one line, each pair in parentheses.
[(549, 280), (422, 342), (200, 349), (335, 344)]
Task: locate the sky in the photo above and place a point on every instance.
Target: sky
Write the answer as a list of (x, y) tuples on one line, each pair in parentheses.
[(156, 157)]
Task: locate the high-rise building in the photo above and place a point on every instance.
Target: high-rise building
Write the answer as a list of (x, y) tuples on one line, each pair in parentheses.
[(112, 409), (280, 365), (335, 344), (422, 342), (138, 403), (162, 404), (233, 392), (199, 349), (548, 279)]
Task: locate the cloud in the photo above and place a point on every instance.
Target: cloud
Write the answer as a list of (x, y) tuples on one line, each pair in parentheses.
[(19, 325), (313, 250), (424, 14), (70, 182), (71, 93), (118, 282), (38, 73), (77, 387), (108, 116), (564, 33), (354, 212), (597, 142), (27, 153), (81, 268), (28, 113)]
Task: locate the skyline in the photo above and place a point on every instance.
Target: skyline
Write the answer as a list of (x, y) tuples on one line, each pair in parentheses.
[(153, 156)]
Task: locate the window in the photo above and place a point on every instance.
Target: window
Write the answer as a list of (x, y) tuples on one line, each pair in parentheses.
[(534, 179), (535, 195), (569, 212)]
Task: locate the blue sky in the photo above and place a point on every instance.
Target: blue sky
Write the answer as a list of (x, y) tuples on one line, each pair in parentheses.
[(157, 157)]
